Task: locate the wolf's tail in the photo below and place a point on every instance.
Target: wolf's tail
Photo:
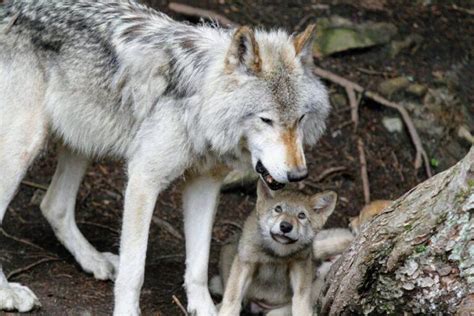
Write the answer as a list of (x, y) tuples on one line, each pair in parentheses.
[(215, 285)]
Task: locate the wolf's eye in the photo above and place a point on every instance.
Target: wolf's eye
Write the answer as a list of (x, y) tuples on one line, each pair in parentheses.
[(267, 121), (302, 216), (301, 118), (278, 209)]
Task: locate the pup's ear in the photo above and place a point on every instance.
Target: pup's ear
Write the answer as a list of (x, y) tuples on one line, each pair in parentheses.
[(263, 192), (303, 41), (323, 204), (243, 52)]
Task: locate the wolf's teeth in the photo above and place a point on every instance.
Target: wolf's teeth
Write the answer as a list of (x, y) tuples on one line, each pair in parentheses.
[(269, 179)]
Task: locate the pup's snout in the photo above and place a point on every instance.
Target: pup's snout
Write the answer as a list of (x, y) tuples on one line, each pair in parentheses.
[(285, 227), (297, 174)]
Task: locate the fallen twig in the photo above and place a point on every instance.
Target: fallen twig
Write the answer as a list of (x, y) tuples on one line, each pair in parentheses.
[(19, 271), (192, 11), (35, 185), (231, 223), (463, 10), (303, 21), (329, 171), (354, 104), (363, 170), (113, 230), (421, 157), (168, 227), (21, 240), (181, 307)]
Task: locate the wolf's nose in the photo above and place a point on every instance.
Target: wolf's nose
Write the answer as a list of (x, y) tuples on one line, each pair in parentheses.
[(297, 174), (285, 227)]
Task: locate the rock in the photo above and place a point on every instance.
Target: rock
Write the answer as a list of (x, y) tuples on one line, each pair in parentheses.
[(391, 86), (412, 42), (239, 179), (393, 124), (336, 34), (338, 100)]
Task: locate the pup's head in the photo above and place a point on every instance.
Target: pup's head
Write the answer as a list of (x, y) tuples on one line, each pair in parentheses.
[(269, 80), (288, 220)]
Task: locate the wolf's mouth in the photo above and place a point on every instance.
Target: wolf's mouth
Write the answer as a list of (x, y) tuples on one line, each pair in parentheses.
[(272, 183), (283, 239)]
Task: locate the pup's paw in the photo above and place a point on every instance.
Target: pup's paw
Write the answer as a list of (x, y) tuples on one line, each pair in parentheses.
[(200, 302), (17, 297), (104, 266)]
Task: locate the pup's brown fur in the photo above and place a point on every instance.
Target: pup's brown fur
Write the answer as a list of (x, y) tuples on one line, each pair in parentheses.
[(369, 211), (271, 267)]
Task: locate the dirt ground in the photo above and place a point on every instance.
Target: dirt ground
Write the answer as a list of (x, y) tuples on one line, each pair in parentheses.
[(448, 42)]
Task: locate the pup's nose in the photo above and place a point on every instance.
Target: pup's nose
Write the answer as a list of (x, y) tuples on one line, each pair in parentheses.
[(285, 227), (297, 174)]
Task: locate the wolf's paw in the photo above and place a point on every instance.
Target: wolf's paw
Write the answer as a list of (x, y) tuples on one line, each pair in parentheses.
[(104, 266), (200, 302), (17, 297)]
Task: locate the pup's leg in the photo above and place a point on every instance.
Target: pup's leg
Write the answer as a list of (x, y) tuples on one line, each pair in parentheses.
[(239, 280), (199, 202), (58, 207), (301, 277), (282, 311)]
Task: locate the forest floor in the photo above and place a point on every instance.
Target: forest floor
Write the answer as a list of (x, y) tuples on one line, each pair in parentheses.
[(442, 63)]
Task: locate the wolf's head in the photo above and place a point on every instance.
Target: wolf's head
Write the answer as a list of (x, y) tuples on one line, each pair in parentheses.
[(276, 101), (288, 220)]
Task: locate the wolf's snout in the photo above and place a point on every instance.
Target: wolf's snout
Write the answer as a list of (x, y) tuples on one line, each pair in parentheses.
[(297, 174), (285, 227)]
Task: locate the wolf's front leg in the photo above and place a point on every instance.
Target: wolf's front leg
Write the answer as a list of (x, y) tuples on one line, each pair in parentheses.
[(301, 277), (140, 198), (200, 199)]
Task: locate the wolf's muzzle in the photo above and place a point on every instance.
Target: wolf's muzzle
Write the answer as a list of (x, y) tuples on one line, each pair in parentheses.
[(297, 174)]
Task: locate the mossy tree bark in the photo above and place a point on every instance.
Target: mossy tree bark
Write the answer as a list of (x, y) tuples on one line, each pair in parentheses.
[(416, 257)]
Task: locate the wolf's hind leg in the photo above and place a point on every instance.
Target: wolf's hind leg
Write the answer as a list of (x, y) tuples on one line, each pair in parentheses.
[(58, 207), (22, 134)]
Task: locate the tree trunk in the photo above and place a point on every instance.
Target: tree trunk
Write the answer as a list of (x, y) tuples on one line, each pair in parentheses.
[(416, 258)]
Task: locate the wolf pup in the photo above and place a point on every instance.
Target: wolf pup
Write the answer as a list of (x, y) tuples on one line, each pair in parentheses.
[(370, 210), (272, 266), (115, 78)]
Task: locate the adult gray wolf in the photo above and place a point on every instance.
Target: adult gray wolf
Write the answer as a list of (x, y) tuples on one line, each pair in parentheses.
[(115, 78), (272, 269)]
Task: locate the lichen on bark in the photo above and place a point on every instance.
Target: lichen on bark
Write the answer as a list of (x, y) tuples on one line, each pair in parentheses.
[(416, 257)]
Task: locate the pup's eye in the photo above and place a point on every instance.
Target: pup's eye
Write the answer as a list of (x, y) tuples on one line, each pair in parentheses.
[(301, 118), (278, 209), (302, 216), (267, 121)]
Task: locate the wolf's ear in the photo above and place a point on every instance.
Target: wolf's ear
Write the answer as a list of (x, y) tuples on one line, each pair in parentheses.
[(303, 41), (243, 52), (323, 205), (263, 192)]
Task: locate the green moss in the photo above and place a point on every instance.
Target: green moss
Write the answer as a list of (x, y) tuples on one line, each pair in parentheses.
[(420, 248), (470, 183)]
